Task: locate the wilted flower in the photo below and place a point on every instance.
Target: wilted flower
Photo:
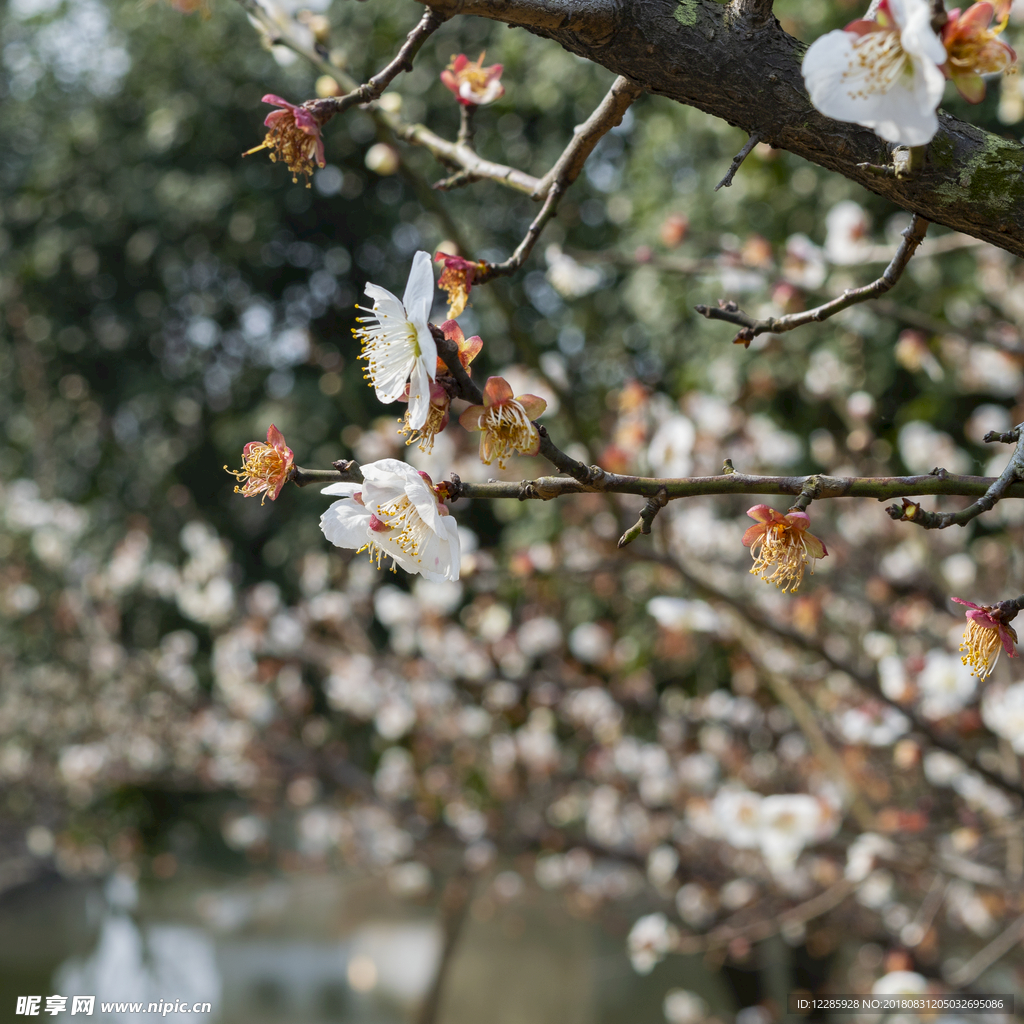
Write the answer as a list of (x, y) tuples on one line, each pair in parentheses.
[(985, 634), (883, 74), (398, 346), (457, 280), (294, 137), (395, 512), (506, 422), (437, 418), (782, 542), (974, 49), (265, 467), (473, 84)]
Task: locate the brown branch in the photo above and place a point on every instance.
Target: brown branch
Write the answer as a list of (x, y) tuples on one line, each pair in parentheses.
[(986, 957), (643, 525), (566, 170), (463, 157), (807, 722), (757, 931), (454, 905), (867, 681), (325, 109), (883, 487), (608, 114), (738, 159), (911, 512), (751, 327), (698, 53)]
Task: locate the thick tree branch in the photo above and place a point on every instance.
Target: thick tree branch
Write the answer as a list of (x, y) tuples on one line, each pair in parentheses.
[(698, 52), (751, 327)]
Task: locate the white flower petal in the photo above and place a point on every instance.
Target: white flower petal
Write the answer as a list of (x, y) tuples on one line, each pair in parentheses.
[(346, 525), (885, 80), (347, 489), (419, 396), (419, 290)]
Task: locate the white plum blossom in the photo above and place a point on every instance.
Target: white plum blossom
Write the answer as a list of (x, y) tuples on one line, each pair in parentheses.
[(649, 940), (847, 226), (737, 813), (884, 74), (1002, 710), (395, 512), (397, 344), (789, 822), (946, 685)]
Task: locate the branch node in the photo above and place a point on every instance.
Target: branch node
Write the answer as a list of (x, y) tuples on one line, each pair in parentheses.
[(728, 468)]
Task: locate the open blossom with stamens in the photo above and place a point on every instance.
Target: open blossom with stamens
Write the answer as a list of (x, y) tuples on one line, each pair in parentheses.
[(265, 467), (397, 344), (294, 137), (782, 546), (457, 280), (395, 513), (473, 84), (984, 637), (506, 422), (884, 74), (437, 418), (974, 48)]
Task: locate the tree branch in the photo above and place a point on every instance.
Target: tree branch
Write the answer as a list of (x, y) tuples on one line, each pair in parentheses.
[(751, 328), (566, 170), (911, 512), (371, 90), (738, 159), (546, 487), (697, 52)]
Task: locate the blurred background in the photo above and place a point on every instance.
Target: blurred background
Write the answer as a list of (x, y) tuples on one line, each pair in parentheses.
[(240, 766)]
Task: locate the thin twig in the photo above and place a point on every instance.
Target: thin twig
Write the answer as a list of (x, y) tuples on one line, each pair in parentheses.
[(987, 956), (737, 160), (911, 511), (466, 130), (760, 930), (752, 327), (566, 170), (867, 681), (325, 109), (807, 721)]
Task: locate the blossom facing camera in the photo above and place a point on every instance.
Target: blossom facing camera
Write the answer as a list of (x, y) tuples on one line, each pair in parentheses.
[(986, 634), (397, 344), (456, 280), (395, 513), (884, 74), (473, 84), (506, 422), (974, 49), (782, 546), (265, 467), (294, 137)]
